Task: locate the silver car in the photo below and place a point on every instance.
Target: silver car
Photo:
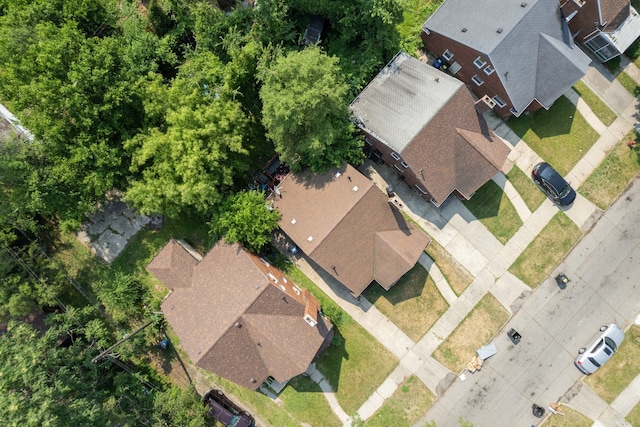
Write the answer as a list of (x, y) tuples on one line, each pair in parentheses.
[(594, 356)]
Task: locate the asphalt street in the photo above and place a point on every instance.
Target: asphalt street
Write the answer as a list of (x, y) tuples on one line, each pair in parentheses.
[(554, 325)]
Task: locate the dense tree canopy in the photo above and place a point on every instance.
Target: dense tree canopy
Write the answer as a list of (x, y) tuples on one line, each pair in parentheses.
[(46, 384), (305, 111), (245, 218)]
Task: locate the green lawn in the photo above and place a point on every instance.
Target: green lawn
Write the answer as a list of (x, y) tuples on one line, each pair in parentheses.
[(628, 83), (523, 184), (560, 135), (303, 399), (597, 105), (493, 208), (405, 407), (413, 304), (475, 330), (348, 363), (546, 250), (620, 370), (613, 175), (571, 418), (633, 417)]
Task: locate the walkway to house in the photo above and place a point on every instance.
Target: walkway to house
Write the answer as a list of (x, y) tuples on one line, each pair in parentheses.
[(475, 248)]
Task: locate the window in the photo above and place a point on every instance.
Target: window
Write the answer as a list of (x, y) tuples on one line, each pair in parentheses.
[(368, 141), (514, 111), (395, 156), (447, 55), (404, 165), (499, 101), (397, 167), (489, 70), (479, 62), (477, 80), (579, 2)]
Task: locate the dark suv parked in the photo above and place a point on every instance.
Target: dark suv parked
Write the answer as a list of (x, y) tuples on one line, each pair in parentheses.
[(225, 411), (553, 184)]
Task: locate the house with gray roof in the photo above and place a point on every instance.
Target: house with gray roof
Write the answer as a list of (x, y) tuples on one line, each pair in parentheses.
[(515, 55), (238, 316), (424, 124), (606, 28), (347, 226)]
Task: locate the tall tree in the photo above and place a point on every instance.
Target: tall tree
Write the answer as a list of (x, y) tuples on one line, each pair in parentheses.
[(191, 161), (305, 110), (246, 218)]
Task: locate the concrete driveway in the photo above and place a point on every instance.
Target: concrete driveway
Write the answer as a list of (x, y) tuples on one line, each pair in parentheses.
[(604, 288)]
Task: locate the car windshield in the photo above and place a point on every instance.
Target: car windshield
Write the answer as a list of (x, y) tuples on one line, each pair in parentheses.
[(566, 190), (611, 343)]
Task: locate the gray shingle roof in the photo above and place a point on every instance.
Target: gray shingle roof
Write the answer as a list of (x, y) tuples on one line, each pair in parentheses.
[(524, 43), (382, 109)]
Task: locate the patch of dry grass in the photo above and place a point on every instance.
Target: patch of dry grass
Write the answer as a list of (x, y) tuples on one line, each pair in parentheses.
[(475, 330), (405, 407), (546, 250), (414, 304), (456, 275), (571, 418), (620, 370), (613, 175)]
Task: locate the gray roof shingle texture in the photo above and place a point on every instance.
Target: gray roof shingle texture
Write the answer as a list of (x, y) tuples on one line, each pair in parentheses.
[(452, 144), (529, 46), (233, 321), (346, 225)]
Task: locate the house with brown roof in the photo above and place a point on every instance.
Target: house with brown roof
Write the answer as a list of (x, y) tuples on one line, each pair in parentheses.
[(606, 28), (515, 55), (347, 226), (423, 123), (238, 316)]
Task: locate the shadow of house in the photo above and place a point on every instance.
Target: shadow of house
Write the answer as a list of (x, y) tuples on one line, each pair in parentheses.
[(346, 225), (517, 56), (424, 125), (238, 316)]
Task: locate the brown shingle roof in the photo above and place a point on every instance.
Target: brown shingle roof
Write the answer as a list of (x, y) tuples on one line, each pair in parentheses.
[(241, 318), (454, 147), (173, 265), (614, 13), (345, 224)]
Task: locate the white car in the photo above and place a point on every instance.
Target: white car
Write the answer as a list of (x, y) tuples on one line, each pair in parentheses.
[(594, 356)]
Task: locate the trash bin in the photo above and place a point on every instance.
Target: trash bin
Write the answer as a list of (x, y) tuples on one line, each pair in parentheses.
[(538, 411), (514, 336), (562, 280)]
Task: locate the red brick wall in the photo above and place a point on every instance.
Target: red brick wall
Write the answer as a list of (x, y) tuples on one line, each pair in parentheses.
[(463, 55)]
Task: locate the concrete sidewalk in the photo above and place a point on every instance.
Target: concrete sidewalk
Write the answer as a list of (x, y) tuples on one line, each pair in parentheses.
[(477, 250)]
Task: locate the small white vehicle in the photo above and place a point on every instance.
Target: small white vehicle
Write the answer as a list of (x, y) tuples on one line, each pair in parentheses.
[(601, 350)]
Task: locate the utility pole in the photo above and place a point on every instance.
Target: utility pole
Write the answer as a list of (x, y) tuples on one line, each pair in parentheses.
[(107, 351)]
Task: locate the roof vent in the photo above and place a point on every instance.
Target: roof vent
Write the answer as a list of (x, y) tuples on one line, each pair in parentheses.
[(338, 174), (355, 188), (436, 79), (499, 30), (238, 325), (310, 238), (464, 29), (293, 221), (523, 4)]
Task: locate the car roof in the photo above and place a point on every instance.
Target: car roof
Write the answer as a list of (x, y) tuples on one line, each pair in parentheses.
[(548, 173)]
